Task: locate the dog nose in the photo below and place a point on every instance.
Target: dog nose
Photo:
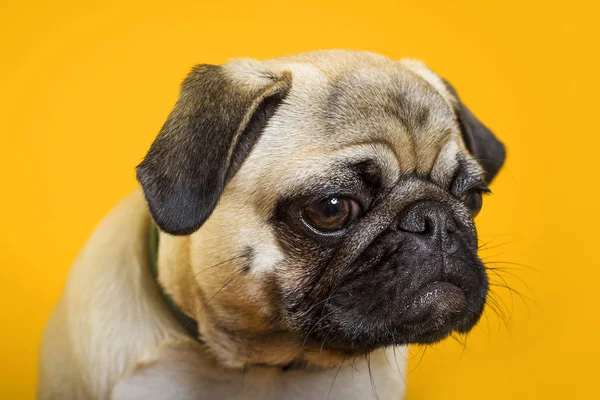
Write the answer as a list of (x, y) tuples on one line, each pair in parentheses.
[(432, 221)]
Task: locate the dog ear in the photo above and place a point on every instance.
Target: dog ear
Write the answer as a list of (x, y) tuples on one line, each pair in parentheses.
[(214, 125), (480, 141)]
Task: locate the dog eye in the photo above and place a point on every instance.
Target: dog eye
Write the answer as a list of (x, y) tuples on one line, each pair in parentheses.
[(473, 201), (332, 213)]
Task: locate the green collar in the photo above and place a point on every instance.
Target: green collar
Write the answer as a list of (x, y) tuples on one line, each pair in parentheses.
[(186, 322)]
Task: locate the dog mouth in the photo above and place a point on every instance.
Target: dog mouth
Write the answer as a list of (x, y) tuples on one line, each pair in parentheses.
[(435, 311), (439, 302), (438, 309)]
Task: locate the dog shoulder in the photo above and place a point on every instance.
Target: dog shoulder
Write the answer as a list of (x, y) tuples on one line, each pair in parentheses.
[(111, 315)]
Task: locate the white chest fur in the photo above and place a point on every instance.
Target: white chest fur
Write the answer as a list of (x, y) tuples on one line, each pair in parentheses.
[(180, 374)]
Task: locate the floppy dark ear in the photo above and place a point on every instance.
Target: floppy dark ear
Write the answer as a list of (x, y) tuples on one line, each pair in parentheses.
[(212, 128), (480, 141)]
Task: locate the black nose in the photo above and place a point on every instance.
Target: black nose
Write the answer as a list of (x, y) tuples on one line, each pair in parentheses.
[(431, 221)]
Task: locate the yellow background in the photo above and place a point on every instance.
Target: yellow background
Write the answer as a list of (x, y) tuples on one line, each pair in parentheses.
[(85, 88)]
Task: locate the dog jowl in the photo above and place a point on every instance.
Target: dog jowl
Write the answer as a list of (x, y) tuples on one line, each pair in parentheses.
[(332, 194)]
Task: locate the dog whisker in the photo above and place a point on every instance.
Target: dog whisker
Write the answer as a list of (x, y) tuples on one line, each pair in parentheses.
[(424, 347), (396, 358), (512, 263), (323, 344), (515, 291), (485, 246), (397, 365), (332, 295), (314, 326), (352, 363), (318, 303), (236, 275), (494, 304), (487, 323), (512, 301), (386, 357), (333, 381), (220, 263), (457, 338), (524, 298), (503, 271), (465, 339), (373, 387), (499, 271)]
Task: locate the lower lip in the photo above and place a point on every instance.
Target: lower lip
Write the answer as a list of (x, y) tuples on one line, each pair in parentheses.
[(438, 300)]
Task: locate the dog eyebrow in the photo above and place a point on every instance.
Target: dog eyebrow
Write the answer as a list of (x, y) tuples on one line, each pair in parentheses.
[(376, 157)]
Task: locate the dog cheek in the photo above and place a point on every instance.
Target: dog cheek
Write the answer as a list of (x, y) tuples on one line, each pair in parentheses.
[(266, 256)]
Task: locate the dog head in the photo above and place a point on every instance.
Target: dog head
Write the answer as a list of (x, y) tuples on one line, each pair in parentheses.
[(320, 206)]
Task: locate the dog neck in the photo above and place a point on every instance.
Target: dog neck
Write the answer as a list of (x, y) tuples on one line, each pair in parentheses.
[(189, 324), (172, 294)]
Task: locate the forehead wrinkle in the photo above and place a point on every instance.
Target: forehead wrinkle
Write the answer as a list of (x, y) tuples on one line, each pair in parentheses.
[(395, 104), (446, 164), (412, 141), (430, 146)]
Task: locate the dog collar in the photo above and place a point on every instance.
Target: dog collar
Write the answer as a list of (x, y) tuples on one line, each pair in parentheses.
[(186, 322)]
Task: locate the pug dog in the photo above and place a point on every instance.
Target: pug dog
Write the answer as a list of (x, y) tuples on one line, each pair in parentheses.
[(301, 220)]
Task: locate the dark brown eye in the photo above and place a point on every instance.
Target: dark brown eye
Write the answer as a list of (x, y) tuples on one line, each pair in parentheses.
[(474, 202), (332, 214)]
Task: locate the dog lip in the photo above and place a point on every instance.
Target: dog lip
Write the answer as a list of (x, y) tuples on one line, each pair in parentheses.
[(436, 310), (438, 301)]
